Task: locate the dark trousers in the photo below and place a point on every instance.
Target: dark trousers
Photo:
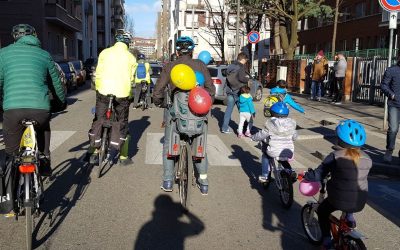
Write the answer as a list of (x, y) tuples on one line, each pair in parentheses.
[(323, 211), (393, 122), (338, 89), (13, 129)]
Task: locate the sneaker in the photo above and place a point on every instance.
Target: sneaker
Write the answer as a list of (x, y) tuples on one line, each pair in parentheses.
[(167, 186), (203, 189), (319, 99), (262, 179), (240, 135), (228, 131), (338, 103), (388, 156), (125, 162), (247, 134), (44, 166)]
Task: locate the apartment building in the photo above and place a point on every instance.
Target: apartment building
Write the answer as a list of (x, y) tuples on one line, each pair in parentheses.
[(361, 25), (146, 46)]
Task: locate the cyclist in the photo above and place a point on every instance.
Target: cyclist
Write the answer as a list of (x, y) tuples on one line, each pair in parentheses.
[(24, 67), (281, 89), (184, 47), (114, 76), (143, 73), (348, 186)]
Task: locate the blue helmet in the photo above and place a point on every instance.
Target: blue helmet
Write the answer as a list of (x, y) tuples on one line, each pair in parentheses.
[(184, 44), (279, 109), (141, 57), (351, 132), (124, 38)]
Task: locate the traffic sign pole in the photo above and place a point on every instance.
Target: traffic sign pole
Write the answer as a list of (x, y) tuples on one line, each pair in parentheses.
[(253, 49), (253, 37)]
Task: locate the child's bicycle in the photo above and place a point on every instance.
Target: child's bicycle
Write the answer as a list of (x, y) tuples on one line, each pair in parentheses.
[(269, 101), (344, 237), (284, 178)]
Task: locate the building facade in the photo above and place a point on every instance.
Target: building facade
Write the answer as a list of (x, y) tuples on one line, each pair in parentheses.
[(146, 46)]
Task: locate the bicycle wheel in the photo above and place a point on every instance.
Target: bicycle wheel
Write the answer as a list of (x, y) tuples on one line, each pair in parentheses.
[(183, 182), (351, 243), (309, 220), (286, 194), (103, 150), (28, 212)]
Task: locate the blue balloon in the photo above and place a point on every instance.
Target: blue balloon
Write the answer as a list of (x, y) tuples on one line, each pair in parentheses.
[(205, 57), (199, 78)]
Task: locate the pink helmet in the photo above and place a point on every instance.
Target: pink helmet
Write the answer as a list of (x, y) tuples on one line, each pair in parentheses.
[(309, 188)]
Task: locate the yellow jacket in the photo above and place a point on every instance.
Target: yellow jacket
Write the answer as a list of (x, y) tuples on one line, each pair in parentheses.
[(148, 72), (115, 69)]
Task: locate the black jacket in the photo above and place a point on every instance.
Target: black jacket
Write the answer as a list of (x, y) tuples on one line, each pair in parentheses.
[(390, 85), (165, 79), (236, 77), (348, 186)]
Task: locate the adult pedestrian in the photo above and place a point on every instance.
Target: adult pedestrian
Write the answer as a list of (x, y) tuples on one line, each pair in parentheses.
[(319, 70), (237, 77), (340, 68), (390, 86)]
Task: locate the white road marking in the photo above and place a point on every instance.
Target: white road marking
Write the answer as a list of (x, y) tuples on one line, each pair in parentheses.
[(59, 137), (218, 153)]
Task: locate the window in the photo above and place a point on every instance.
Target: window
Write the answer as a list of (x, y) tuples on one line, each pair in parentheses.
[(213, 72), (360, 10), (223, 71), (196, 39), (232, 20), (192, 22)]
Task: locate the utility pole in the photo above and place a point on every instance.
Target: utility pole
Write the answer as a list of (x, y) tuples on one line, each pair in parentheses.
[(335, 28), (237, 29), (192, 21)]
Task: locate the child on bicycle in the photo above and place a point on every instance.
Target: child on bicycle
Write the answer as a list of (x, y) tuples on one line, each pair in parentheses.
[(281, 89), (277, 140), (348, 185), (246, 111)]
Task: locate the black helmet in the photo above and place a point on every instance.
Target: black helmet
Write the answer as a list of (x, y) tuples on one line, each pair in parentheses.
[(141, 57), (184, 44), (173, 57), (123, 37), (21, 30)]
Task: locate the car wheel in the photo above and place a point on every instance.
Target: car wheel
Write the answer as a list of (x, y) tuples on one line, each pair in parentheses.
[(258, 95)]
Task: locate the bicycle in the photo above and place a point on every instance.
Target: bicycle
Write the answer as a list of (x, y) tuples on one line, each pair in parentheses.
[(283, 180), (344, 237), (28, 184), (143, 97)]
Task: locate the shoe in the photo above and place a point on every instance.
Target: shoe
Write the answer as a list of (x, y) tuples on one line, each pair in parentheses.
[(240, 135), (125, 162), (311, 99), (263, 179), (351, 224), (338, 103), (388, 156), (228, 131), (167, 186), (94, 159), (203, 189), (44, 166), (319, 99), (247, 134)]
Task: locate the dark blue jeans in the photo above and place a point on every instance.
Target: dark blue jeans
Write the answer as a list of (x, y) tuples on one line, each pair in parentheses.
[(393, 120), (232, 100), (316, 89)]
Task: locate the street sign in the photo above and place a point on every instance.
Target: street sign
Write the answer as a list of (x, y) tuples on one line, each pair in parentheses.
[(393, 20), (390, 5), (253, 37)]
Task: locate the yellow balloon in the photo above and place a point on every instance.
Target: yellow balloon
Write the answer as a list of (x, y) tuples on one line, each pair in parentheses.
[(183, 77)]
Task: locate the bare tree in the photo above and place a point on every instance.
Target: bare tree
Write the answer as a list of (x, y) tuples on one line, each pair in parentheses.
[(129, 24)]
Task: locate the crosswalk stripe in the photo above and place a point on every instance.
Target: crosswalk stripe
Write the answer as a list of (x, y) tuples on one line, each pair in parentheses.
[(59, 137), (218, 153)]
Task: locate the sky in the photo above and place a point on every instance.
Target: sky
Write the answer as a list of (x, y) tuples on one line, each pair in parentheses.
[(144, 15)]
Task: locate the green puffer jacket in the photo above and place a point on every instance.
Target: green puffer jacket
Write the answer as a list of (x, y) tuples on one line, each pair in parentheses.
[(23, 70)]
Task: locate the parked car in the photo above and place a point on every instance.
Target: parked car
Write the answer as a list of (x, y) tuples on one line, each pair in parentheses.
[(55, 103), (80, 71), (70, 74), (63, 78), (218, 76), (90, 66)]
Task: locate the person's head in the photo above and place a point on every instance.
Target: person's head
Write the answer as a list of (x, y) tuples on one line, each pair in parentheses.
[(173, 57), (352, 136), (245, 90), (141, 57), (279, 109), (320, 54), (340, 56), (123, 38), (184, 45), (242, 58), (21, 30), (281, 84)]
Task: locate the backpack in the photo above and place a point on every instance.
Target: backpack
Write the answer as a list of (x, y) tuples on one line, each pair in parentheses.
[(141, 71), (271, 100)]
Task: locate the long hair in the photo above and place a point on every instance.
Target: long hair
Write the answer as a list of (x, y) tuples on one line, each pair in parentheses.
[(354, 154)]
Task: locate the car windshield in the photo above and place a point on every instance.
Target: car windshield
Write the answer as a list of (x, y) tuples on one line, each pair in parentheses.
[(213, 72), (156, 71)]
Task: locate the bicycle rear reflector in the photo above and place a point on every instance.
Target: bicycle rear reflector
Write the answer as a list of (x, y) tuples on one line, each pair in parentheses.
[(108, 114), (27, 168)]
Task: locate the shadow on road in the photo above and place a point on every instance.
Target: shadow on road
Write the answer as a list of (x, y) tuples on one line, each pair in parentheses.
[(169, 226), (218, 114), (275, 217), (136, 130)]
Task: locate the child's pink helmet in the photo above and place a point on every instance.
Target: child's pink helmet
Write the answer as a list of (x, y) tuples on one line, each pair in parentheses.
[(309, 188)]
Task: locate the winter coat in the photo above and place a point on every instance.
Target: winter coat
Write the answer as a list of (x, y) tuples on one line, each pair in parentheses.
[(237, 77), (279, 134), (348, 186), (287, 99), (246, 104), (340, 68), (319, 69), (390, 85), (24, 67)]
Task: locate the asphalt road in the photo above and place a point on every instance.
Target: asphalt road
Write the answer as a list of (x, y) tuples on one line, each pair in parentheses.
[(126, 209)]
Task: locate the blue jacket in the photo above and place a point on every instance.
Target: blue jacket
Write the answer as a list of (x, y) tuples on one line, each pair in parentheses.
[(288, 98), (246, 104), (390, 85)]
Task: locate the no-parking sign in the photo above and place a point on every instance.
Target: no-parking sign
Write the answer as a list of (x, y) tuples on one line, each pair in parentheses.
[(390, 5), (253, 37)]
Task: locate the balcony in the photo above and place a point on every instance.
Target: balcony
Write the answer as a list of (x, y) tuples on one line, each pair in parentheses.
[(58, 15)]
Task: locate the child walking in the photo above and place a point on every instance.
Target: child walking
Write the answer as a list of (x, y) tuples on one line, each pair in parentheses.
[(246, 111), (277, 139), (348, 185)]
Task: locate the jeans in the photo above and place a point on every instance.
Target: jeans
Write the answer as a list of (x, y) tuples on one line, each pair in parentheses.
[(232, 100), (338, 89), (265, 165), (393, 120), (315, 89), (168, 163), (245, 116)]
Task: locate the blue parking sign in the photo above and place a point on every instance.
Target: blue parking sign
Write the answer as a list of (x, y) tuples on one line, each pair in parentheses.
[(253, 37)]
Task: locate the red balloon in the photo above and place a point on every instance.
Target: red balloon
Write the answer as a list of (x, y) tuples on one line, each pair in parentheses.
[(199, 101)]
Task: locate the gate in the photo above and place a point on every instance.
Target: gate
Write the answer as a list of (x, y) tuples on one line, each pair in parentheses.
[(367, 77)]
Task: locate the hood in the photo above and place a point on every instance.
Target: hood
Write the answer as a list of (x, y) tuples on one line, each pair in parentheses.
[(281, 126), (245, 96), (278, 90), (121, 45), (29, 40)]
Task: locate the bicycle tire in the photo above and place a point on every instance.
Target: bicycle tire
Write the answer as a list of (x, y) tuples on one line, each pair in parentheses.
[(351, 243), (286, 194), (28, 215), (311, 226), (191, 178), (183, 182), (103, 151)]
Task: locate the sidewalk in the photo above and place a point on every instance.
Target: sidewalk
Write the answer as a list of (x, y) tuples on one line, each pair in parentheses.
[(317, 130)]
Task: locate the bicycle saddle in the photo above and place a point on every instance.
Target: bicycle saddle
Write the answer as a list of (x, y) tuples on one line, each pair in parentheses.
[(27, 122)]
